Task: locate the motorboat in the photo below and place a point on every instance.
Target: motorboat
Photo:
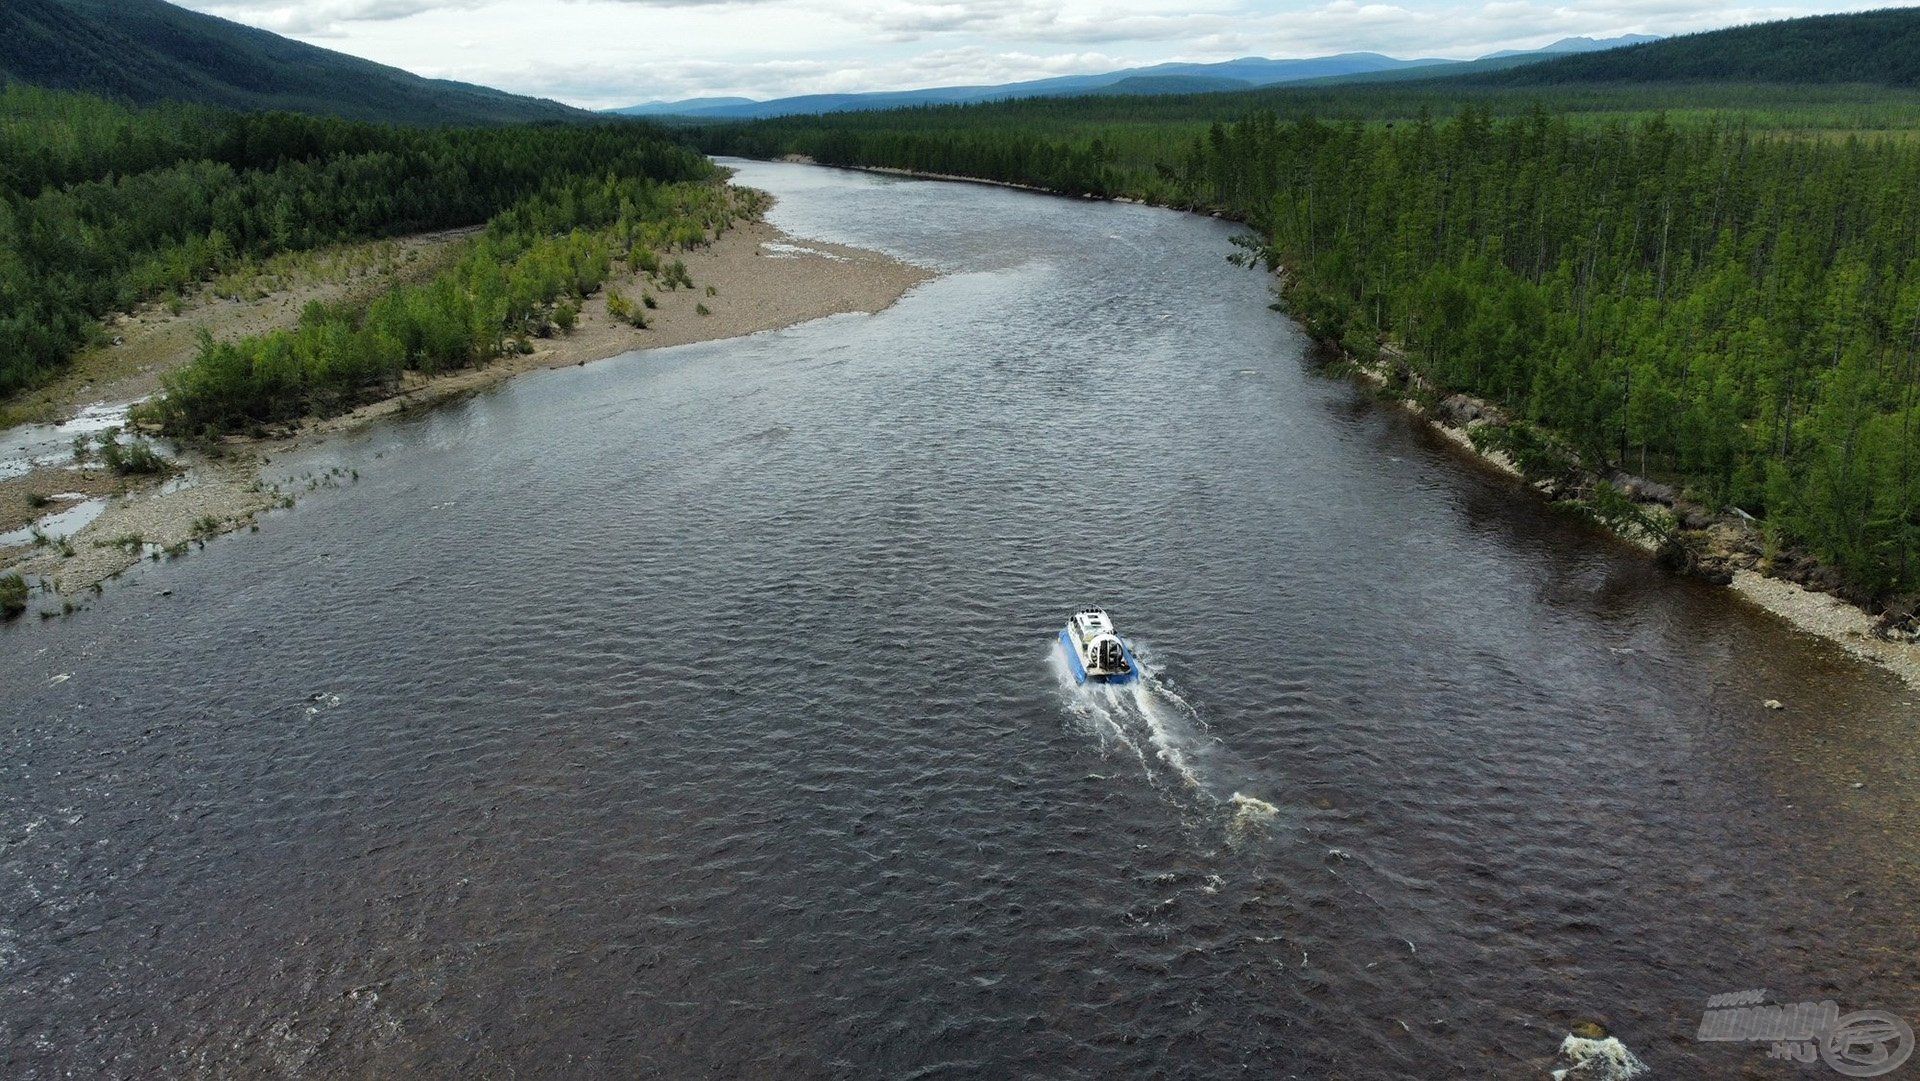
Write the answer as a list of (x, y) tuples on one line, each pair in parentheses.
[(1095, 651)]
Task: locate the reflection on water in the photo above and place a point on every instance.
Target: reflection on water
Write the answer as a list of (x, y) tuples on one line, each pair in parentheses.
[(690, 715)]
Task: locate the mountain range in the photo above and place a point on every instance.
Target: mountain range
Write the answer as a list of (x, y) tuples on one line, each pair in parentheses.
[(146, 51), (149, 50), (1173, 78)]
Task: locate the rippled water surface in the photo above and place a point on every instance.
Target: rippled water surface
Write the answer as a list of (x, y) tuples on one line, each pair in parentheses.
[(693, 714)]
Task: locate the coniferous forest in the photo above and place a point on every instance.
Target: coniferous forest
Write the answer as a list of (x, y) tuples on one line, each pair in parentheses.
[(1713, 284), (1721, 303), (103, 205)]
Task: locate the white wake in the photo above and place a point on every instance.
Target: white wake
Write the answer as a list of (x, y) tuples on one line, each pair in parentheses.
[(1148, 721)]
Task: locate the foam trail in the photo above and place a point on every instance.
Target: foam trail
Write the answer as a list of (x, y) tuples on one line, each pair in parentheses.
[(1103, 722), (1134, 715), (1162, 729), (1166, 734)]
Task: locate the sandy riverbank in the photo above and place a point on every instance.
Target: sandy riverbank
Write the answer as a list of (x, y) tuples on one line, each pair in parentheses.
[(760, 279)]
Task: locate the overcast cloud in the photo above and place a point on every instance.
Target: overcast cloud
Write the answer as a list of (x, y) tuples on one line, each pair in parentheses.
[(604, 53)]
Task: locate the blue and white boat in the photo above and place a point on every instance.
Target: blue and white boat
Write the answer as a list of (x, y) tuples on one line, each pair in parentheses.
[(1095, 652)]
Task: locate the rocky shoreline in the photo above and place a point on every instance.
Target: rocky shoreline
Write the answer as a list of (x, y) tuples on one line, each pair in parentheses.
[(1726, 549)]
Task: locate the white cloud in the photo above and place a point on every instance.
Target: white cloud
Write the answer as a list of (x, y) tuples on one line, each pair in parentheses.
[(600, 53)]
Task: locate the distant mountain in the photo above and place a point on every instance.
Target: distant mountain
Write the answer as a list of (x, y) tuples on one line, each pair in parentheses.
[(1227, 75), (1876, 47), (1578, 45), (148, 50), (1172, 84), (1257, 71), (1504, 60), (679, 108), (1174, 78)]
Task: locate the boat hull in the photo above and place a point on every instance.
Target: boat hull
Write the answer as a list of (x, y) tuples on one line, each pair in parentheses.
[(1079, 670)]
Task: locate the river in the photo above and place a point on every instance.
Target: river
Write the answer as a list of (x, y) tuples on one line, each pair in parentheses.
[(695, 714)]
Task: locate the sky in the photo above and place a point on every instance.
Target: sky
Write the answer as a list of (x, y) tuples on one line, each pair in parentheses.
[(607, 53)]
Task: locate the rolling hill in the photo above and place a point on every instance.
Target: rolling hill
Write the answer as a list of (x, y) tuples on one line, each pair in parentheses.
[(1246, 73), (148, 50), (1242, 74), (1880, 48), (1504, 60)]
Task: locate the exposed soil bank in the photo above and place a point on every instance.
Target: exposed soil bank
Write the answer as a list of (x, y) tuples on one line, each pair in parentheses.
[(760, 279)]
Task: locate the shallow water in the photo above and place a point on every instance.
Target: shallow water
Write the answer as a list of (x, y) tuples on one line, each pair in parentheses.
[(77, 511), (695, 714), (32, 446)]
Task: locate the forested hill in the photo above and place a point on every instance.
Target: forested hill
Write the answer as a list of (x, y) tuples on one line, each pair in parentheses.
[(1880, 48), (146, 51)]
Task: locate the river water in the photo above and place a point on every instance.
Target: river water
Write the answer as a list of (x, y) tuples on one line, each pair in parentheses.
[(694, 714)]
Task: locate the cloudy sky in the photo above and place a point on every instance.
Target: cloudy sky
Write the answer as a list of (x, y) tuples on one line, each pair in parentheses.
[(604, 53)]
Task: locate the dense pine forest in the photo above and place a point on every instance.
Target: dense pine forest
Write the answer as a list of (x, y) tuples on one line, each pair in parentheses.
[(104, 205), (1715, 303)]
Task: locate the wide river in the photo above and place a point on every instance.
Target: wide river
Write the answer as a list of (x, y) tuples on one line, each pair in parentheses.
[(695, 714)]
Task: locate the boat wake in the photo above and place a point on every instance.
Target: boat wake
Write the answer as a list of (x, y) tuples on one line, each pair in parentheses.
[(1149, 722)]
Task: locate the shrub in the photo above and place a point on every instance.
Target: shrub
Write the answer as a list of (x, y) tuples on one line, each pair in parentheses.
[(619, 307), (134, 458), (13, 596)]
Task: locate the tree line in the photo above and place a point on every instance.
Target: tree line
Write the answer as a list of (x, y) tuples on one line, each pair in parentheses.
[(103, 206), (1729, 308), (525, 277)]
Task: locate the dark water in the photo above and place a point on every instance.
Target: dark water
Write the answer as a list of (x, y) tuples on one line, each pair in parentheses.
[(692, 715)]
